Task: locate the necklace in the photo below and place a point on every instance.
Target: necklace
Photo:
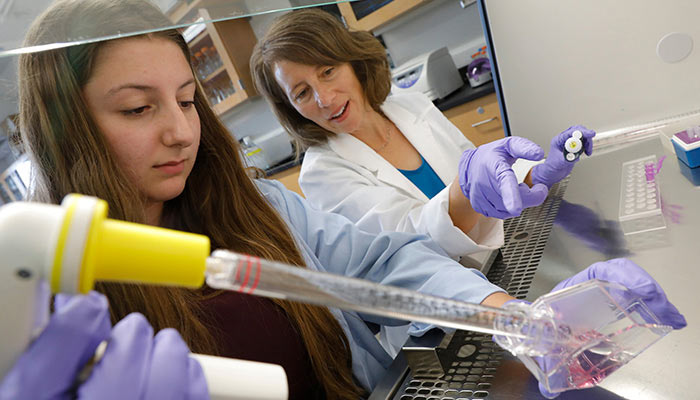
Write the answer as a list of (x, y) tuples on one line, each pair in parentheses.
[(388, 138)]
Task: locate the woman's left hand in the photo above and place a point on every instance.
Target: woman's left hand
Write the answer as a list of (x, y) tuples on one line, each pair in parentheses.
[(556, 167), (639, 284), (637, 281)]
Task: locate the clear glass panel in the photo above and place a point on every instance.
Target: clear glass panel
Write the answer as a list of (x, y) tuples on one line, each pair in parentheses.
[(17, 15)]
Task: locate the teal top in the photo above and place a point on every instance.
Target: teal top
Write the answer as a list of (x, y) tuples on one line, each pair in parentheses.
[(425, 179)]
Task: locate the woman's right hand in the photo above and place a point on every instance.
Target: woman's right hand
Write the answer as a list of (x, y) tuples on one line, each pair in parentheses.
[(488, 181)]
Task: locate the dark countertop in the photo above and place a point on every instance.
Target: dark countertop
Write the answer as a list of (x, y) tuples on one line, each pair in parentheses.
[(284, 165), (463, 95)]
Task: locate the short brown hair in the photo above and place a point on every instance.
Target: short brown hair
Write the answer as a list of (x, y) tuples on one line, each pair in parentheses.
[(315, 37)]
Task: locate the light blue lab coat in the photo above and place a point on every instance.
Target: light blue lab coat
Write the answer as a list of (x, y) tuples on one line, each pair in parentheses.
[(332, 243)]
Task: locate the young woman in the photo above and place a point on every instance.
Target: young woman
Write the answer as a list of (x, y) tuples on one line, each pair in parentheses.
[(391, 162), (125, 120)]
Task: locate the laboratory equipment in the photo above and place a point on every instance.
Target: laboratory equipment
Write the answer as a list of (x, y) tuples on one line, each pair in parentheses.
[(566, 346), (275, 145), (556, 166), (640, 198), (214, 58), (15, 180), (692, 174), (479, 72), (254, 155), (433, 74), (687, 146), (573, 146), (72, 245), (248, 274), (612, 328)]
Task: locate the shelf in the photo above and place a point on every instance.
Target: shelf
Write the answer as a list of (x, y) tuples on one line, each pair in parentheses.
[(194, 43), (233, 41), (214, 74), (230, 102)]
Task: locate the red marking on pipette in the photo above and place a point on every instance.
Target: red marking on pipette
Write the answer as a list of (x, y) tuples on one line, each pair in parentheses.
[(257, 276), (247, 275)]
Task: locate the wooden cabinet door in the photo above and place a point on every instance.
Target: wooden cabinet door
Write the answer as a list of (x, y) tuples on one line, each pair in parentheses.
[(233, 41), (479, 120), (378, 17)]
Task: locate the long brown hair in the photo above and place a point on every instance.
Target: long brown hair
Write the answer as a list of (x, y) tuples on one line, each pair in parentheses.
[(69, 154), (315, 37)]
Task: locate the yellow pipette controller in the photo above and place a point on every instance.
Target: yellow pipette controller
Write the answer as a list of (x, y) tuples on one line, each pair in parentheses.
[(73, 245), (90, 247)]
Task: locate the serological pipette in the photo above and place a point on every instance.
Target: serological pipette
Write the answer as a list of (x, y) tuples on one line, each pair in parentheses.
[(247, 274)]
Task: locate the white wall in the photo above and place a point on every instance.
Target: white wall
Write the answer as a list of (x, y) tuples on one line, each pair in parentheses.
[(592, 62), (438, 23), (252, 118)]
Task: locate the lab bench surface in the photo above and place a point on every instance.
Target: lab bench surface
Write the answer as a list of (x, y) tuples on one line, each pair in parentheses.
[(463, 95), (285, 164), (587, 230)]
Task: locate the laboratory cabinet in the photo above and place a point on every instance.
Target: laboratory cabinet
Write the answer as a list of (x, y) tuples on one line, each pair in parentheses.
[(220, 56), (370, 14), (479, 120)]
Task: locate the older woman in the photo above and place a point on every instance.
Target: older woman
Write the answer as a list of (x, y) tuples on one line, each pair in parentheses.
[(391, 162)]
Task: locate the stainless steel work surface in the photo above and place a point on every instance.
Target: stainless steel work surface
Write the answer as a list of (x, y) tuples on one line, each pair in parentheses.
[(586, 230), (668, 369)]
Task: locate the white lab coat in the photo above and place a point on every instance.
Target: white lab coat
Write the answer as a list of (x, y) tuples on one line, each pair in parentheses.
[(346, 176)]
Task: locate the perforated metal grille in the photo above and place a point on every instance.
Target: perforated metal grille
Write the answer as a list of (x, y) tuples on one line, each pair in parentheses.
[(471, 359), (526, 237)]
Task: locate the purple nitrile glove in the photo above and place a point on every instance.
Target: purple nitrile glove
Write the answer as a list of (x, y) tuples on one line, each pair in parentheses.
[(488, 181), (48, 368), (556, 167), (137, 366), (134, 365), (639, 283)]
